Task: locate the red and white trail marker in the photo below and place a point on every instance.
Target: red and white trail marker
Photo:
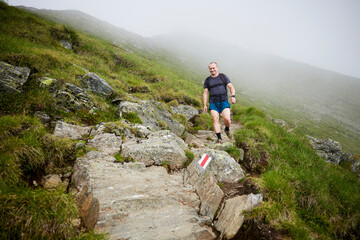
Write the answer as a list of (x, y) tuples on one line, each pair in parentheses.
[(204, 162)]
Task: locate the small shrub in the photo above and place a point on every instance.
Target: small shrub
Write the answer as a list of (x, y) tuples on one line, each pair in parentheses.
[(119, 158), (132, 117), (234, 152), (173, 103), (163, 125), (202, 121), (190, 157)]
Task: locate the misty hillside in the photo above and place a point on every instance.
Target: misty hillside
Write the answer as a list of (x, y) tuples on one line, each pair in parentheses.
[(89, 24), (285, 88), (314, 101)]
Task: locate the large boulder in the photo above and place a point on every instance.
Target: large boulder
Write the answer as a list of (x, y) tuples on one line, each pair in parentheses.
[(96, 84), (71, 97), (66, 130), (153, 115), (12, 78), (328, 149), (206, 187), (161, 148), (186, 110), (224, 168), (231, 215)]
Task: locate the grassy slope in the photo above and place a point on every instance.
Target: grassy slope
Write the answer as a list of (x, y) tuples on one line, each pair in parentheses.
[(304, 195)]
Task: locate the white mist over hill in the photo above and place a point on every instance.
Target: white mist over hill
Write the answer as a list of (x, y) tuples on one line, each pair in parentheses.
[(323, 33)]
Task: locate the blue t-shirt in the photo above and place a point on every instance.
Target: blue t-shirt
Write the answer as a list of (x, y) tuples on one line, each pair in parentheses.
[(217, 89)]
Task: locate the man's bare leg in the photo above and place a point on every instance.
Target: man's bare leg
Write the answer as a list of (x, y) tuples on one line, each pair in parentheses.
[(227, 121), (226, 116), (215, 117)]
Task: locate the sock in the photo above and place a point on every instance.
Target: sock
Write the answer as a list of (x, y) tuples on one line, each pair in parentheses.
[(218, 135), (227, 128)]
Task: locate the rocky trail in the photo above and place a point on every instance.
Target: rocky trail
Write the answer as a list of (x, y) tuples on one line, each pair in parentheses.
[(140, 199)]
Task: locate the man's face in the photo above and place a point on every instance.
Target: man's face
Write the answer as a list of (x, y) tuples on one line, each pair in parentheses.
[(213, 69)]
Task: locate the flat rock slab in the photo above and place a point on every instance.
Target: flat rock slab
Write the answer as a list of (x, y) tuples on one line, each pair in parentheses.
[(66, 130), (106, 142), (162, 147), (143, 203)]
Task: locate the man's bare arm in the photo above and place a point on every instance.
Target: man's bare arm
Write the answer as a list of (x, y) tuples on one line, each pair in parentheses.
[(232, 90), (205, 98)]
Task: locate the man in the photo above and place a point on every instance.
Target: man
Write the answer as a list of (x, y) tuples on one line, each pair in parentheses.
[(216, 84)]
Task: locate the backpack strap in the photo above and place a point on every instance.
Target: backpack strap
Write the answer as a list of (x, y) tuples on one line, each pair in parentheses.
[(222, 77)]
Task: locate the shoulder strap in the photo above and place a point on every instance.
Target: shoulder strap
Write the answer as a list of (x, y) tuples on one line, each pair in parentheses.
[(222, 77)]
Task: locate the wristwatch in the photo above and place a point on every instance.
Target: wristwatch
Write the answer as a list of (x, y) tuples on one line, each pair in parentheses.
[(233, 96)]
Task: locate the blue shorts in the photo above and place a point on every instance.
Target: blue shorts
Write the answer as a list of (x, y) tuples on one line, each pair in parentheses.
[(219, 107)]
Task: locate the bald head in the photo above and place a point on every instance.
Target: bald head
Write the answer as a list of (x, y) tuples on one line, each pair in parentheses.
[(213, 69)]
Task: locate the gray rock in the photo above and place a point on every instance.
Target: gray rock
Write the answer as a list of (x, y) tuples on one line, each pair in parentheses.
[(12, 78), (66, 44), (356, 167), (193, 141), (139, 166), (71, 97), (166, 136), (222, 166), (186, 110), (65, 130), (231, 215), (106, 142), (80, 144), (206, 187), (51, 181), (44, 118), (153, 115), (328, 149), (161, 148), (142, 131), (82, 189), (98, 129), (96, 84), (278, 122)]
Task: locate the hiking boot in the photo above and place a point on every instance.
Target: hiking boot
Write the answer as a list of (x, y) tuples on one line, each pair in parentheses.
[(220, 141), (228, 134)]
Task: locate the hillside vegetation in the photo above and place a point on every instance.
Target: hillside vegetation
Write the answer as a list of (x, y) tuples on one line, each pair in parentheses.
[(304, 197)]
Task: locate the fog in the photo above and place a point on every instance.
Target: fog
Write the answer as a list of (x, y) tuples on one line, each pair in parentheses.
[(323, 33)]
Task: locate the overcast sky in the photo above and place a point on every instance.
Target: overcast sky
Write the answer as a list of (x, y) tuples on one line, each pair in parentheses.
[(324, 33)]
